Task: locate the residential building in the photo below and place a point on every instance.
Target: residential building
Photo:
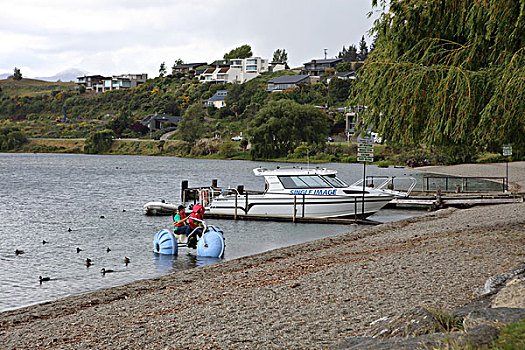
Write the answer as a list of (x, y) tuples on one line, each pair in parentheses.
[(343, 76), (237, 71), (159, 120), (92, 82), (287, 82), (187, 67), (99, 83), (317, 67), (217, 100), (124, 81)]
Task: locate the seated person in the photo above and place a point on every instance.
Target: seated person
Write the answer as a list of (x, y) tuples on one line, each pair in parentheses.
[(180, 229), (195, 225)]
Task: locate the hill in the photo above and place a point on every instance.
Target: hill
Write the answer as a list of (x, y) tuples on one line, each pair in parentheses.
[(32, 87)]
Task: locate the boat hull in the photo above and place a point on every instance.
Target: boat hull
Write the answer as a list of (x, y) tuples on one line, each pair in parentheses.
[(288, 206), (159, 208)]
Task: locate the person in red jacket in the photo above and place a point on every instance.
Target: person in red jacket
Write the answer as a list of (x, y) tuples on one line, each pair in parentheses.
[(195, 224)]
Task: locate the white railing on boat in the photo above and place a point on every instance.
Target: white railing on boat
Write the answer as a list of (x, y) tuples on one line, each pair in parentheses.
[(388, 180)]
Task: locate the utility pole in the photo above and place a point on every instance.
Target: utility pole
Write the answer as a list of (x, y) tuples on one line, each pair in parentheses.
[(325, 50)]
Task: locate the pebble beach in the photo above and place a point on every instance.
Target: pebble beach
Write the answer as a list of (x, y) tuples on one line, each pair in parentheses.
[(312, 295)]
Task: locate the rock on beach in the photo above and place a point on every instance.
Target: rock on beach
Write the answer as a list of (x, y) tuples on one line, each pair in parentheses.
[(341, 285)]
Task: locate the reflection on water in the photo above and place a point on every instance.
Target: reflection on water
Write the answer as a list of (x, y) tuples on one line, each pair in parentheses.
[(95, 202)]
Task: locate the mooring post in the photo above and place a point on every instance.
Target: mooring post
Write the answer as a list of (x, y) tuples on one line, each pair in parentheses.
[(355, 209), (235, 211), (214, 183), (294, 207), (183, 188)]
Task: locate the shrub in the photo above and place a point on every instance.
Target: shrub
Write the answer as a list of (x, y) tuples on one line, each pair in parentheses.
[(99, 142), (228, 149), (489, 158), (11, 138)]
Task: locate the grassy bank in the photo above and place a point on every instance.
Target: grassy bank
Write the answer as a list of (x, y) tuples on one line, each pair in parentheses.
[(119, 147)]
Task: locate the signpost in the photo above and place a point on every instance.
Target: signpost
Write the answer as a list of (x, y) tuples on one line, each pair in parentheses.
[(507, 151), (365, 153)]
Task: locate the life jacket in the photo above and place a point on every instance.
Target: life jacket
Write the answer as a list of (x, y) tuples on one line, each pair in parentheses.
[(182, 216), (197, 213)]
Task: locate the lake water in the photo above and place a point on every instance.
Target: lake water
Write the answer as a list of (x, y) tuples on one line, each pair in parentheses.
[(95, 202)]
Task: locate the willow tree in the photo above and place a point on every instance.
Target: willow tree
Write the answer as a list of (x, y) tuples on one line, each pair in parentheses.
[(448, 72), (281, 126)]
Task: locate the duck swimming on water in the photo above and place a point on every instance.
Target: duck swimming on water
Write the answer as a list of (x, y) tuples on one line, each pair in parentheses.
[(88, 262), (19, 251), (126, 260), (43, 279), (104, 271)]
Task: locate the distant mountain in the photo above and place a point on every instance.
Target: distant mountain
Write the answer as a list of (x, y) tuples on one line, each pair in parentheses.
[(65, 75), (5, 75)]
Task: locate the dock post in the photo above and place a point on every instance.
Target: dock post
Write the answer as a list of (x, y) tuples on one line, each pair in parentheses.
[(303, 204), (214, 183), (355, 209), (294, 207), (183, 188), (235, 211)]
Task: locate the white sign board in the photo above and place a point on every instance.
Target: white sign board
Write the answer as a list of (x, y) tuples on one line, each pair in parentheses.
[(507, 150)]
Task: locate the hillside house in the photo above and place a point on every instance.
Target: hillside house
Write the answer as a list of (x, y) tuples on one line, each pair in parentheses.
[(236, 71), (92, 82), (316, 68), (160, 121), (187, 67), (217, 100), (99, 83), (287, 82)]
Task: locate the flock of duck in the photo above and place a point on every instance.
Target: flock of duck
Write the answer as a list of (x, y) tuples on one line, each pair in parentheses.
[(88, 262)]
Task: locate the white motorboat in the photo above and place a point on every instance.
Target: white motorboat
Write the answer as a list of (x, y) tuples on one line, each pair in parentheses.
[(159, 208), (300, 193)]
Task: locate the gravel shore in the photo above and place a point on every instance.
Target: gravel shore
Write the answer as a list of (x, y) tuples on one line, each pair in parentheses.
[(311, 295)]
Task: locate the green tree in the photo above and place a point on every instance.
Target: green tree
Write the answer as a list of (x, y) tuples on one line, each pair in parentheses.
[(282, 125), (344, 67), (162, 69), (178, 62), (280, 56), (447, 73), (121, 123), (17, 75), (363, 49), (11, 138), (191, 127), (339, 90), (244, 51), (99, 142), (348, 55)]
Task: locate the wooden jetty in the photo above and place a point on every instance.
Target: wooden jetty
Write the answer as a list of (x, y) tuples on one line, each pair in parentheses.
[(340, 221), (460, 200)]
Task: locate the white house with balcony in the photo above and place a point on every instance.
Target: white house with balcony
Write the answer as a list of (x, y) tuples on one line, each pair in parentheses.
[(239, 70)]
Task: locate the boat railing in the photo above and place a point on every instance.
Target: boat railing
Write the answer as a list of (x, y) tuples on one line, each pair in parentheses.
[(388, 183)]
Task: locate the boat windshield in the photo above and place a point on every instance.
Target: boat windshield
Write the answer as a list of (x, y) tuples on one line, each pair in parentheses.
[(334, 181), (307, 181)]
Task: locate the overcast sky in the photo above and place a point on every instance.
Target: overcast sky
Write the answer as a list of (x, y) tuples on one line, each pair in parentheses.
[(109, 37)]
